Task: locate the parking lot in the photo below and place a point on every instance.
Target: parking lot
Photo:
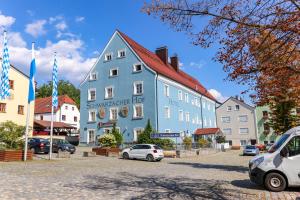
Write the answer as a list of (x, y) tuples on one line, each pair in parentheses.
[(216, 176)]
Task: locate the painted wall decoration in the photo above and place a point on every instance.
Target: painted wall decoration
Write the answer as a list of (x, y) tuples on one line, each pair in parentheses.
[(124, 111), (101, 112)]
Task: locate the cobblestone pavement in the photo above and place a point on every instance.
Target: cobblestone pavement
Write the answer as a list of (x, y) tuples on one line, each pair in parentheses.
[(216, 176)]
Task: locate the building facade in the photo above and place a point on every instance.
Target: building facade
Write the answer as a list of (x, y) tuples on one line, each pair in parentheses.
[(237, 121), (129, 85), (15, 107), (66, 111)]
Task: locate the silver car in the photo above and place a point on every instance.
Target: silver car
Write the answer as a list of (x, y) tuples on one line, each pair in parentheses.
[(250, 150)]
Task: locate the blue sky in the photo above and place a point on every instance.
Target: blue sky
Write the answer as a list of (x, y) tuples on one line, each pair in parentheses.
[(79, 30)]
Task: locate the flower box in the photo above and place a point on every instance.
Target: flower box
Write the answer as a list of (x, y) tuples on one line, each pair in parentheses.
[(106, 151), (14, 155)]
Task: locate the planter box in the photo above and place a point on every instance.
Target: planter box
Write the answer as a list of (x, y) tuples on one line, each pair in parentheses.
[(106, 151), (14, 155), (170, 154), (235, 147)]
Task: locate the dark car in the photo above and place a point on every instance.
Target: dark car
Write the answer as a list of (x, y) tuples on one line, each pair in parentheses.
[(38, 145), (62, 145)]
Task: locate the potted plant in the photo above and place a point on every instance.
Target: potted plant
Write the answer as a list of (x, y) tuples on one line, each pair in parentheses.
[(108, 144), (11, 145)]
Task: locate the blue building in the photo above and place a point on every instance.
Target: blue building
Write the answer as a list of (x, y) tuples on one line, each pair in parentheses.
[(129, 85)]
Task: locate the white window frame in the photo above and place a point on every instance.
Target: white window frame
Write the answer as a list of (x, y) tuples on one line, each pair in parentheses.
[(204, 122), (166, 90), (134, 111), (229, 110), (203, 104), (89, 94), (210, 122), (88, 136), (208, 106), (135, 135), (134, 67), (167, 112), (119, 53), (196, 101), (135, 87), (180, 116), (186, 97), (227, 133), (187, 117), (110, 129), (111, 70), (223, 117), (243, 116), (180, 95), (111, 115), (90, 118), (243, 133), (106, 56), (93, 78), (236, 106), (106, 92), (243, 144)]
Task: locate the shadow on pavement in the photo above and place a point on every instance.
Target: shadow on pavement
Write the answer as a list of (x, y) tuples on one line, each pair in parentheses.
[(233, 168), (140, 187), (247, 184)]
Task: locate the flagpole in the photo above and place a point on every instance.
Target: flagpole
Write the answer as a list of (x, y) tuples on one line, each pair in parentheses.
[(28, 116), (52, 111)]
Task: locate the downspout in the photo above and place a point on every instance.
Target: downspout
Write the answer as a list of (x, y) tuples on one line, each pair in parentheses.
[(156, 102), (201, 112)]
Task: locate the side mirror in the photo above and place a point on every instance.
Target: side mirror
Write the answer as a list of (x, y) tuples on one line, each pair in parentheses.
[(284, 152)]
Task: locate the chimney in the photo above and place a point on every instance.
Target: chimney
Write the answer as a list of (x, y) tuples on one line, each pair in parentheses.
[(174, 62), (162, 53)]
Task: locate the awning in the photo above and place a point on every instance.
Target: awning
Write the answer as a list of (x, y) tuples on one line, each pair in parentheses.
[(47, 124), (207, 131)]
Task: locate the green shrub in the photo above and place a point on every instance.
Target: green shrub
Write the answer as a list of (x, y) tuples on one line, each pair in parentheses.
[(118, 135), (187, 141), (203, 142), (107, 140), (10, 135), (220, 139)]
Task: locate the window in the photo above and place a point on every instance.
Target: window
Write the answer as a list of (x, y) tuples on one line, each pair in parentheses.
[(3, 107), (167, 112), (196, 101), (136, 133), (243, 118), (229, 142), (237, 107), (109, 92), (92, 115), (208, 106), (63, 117), (294, 146), (203, 104), (137, 67), (66, 107), (229, 108), (180, 115), (243, 142), (73, 108), (41, 117), (204, 121), (265, 114), (113, 72), (180, 95), (113, 113), (166, 90), (138, 111), (75, 119), (244, 130), (227, 131), (225, 119), (187, 116), (92, 94), (186, 97), (138, 88), (11, 84), (210, 122), (91, 136), (93, 76), (20, 110), (108, 57), (167, 130), (121, 53)]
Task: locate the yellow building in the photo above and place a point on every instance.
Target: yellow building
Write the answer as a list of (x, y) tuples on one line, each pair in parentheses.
[(14, 108)]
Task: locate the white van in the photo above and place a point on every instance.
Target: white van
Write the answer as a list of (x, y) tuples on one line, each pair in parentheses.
[(280, 167)]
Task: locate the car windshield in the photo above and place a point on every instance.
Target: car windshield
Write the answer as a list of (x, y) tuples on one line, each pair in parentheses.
[(64, 142), (156, 147), (279, 142), (250, 147)]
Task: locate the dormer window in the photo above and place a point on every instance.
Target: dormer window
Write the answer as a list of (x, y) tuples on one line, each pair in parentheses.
[(137, 67), (93, 76), (113, 72), (108, 57), (121, 53)]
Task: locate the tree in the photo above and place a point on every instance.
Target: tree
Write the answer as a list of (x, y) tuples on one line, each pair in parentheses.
[(187, 141), (220, 139), (107, 140), (118, 136), (63, 87), (10, 135)]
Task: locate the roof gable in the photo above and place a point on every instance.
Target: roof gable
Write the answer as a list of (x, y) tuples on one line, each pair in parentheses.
[(43, 105), (242, 103)]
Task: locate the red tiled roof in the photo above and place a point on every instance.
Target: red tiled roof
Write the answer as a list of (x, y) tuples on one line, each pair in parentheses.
[(46, 124), (207, 131), (156, 64), (43, 105)]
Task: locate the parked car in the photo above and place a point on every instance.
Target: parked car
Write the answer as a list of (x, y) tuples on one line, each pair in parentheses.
[(251, 150), (62, 145), (38, 145), (261, 147), (149, 152), (279, 167)]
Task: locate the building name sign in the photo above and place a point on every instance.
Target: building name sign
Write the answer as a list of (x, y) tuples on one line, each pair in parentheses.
[(165, 135), (122, 102)]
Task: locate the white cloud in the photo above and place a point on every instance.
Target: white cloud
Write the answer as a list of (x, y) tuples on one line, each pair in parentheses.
[(61, 26), (217, 95), (30, 13), (197, 65), (36, 28), (56, 18), (79, 19), (6, 21)]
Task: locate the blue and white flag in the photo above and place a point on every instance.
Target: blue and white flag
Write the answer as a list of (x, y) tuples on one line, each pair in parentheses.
[(5, 70), (54, 84), (31, 92)]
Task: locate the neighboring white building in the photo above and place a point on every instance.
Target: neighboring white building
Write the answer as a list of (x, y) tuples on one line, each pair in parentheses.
[(66, 111)]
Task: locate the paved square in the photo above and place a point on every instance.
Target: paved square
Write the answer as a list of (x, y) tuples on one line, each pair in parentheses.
[(216, 176)]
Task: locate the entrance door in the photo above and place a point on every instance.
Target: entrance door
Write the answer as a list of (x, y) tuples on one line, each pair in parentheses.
[(291, 164), (253, 142)]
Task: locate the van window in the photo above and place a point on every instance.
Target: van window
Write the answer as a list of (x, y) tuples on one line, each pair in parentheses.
[(279, 142), (294, 146)]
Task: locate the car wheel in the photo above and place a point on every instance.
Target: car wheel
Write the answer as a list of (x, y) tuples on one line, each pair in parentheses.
[(59, 150), (125, 156), (150, 158), (33, 150), (275, 182)]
